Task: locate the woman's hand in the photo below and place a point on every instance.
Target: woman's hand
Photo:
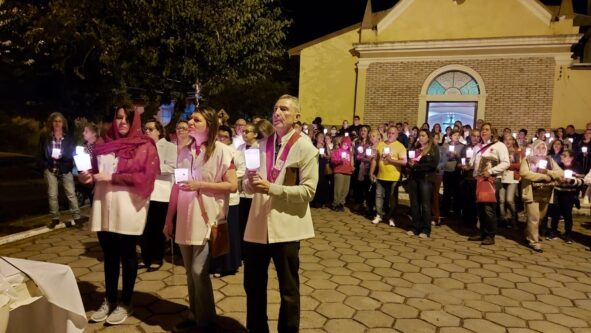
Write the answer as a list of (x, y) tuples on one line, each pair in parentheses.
[(168, 229), (85, 177), (191, 185), (101, 177)]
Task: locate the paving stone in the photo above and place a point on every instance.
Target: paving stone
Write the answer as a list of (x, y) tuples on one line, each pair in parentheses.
[(523, 313), (444, 298), (339, 271), (448, 283), (518, 295), (343, 325), (463, 312), (547, 327), (454, 330), (416, 277), (353, 290), (321, 284), (506, 320), (540, 307), (362, 303), (555, 300), (547, 282), (414, 326), (567, 321), (386, 297), (311, 319), (533, 288), (399, 310), (499, 282), (483, 306), (440, 318), (372, 319), (345, 280), (335, 310), (482, 288), (423, 304), (482, 325)]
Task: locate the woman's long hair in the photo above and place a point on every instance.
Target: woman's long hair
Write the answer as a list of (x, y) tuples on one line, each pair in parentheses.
[(428, 148), (49, 123), (211, 119)]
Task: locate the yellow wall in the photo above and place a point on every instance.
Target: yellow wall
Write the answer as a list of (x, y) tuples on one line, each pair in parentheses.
[(327, 79), (572, 98), (439, 19)]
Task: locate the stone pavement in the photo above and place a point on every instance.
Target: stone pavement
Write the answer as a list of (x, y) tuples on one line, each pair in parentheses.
[(359, 277)]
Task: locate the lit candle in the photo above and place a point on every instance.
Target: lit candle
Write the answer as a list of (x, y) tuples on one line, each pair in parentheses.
[(411, 154), (322, 150), (325, 130), (527, 151), (368, 152), (344, 154), (252, 158), (533, 139), (346, 133), (542, 164), (568, 174), (515, 135), (452, 149), (571, 140), (386, 150), (463, 161), (469, 153), (584, 150), (360, 149), (547, 135)]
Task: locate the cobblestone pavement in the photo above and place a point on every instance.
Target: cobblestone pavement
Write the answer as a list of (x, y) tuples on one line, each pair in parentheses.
[(360, 277)]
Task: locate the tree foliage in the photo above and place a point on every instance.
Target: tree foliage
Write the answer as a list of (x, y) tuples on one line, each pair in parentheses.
[(83, 54)]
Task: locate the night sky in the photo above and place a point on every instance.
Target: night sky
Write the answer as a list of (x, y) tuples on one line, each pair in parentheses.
[(315, 18)]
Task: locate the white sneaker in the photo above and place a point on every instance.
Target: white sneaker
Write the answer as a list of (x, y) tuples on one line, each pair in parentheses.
[(423, 235), (119, 315), (103, 312), (410, 233), (377, 219), (391, 223)]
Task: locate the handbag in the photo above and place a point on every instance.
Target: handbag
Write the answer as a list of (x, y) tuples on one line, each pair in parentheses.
[(219, 238), (485, 190)]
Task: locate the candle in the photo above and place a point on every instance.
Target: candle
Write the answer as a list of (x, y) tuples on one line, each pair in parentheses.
[(181, 175), (469, 153), (360, 149), (322, 150), (252, 158), (571, 140), (514, 135), (542, 164), (325, 130), (56, 153), (527, 151), (533, 139), (346, 133), (463, 161), (344, 154), (411, 154), (584, 150), (407, 133), (79, 150), (82, 161), (568, 174), (368, 152), (452, 149), (547, 135), (386, 150)]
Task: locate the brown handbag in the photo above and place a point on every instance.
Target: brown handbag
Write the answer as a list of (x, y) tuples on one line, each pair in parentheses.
[(219, 239), (485, 190)]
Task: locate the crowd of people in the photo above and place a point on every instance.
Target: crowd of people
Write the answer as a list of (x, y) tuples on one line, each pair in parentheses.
[(545, 175), (147, 186)]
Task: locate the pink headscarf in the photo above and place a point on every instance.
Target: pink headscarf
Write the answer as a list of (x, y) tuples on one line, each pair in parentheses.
[(135, 152)]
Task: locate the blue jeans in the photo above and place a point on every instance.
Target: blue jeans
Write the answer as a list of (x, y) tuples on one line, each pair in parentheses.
[(196, 259), (385, 203), (420, 190), (52, 193)]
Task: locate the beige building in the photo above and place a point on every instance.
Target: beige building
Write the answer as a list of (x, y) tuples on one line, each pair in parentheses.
[(506, 61)]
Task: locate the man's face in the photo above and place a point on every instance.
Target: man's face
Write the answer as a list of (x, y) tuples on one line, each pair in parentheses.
[(284, 115), (239, 126), (356, 121), (392, 134), (345, 124), (224, 137)]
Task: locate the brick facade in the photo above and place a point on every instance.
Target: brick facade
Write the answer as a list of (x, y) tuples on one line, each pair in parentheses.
[(519, 90)]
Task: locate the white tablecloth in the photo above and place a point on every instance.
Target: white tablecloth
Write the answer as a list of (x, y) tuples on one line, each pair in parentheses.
[(61, 308)]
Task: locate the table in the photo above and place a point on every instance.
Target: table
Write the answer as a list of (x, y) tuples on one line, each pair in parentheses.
[(55, 307)]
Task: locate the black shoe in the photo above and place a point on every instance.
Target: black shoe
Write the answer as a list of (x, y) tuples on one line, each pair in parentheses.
[(154, 267), (488, 241), (53, 223), (475, 238), (568, 239)]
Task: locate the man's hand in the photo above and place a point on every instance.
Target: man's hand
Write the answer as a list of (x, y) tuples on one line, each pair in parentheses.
[(85, 177), (260, 185)]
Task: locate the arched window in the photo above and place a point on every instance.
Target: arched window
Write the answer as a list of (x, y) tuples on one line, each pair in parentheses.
[(450, 93), (453, 83)]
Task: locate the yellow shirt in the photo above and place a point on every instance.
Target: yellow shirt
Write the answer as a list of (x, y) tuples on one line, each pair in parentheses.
[(387, 171)]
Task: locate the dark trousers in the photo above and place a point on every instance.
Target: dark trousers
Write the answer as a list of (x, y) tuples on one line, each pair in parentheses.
[(244, 210), (564, 206), (152, 240), (119, 249), (451, 193), (420, 190), (286, 260), (469, 202), (487, 214)]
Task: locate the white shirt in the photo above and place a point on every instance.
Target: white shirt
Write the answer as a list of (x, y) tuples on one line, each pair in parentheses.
[(497, 151), (240, 164), (163, 184)]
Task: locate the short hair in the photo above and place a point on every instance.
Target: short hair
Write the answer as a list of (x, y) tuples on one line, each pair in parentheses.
[(523, 130), (293, 99), (356, 117), (541, 130), (159, 127), (227, 129)]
